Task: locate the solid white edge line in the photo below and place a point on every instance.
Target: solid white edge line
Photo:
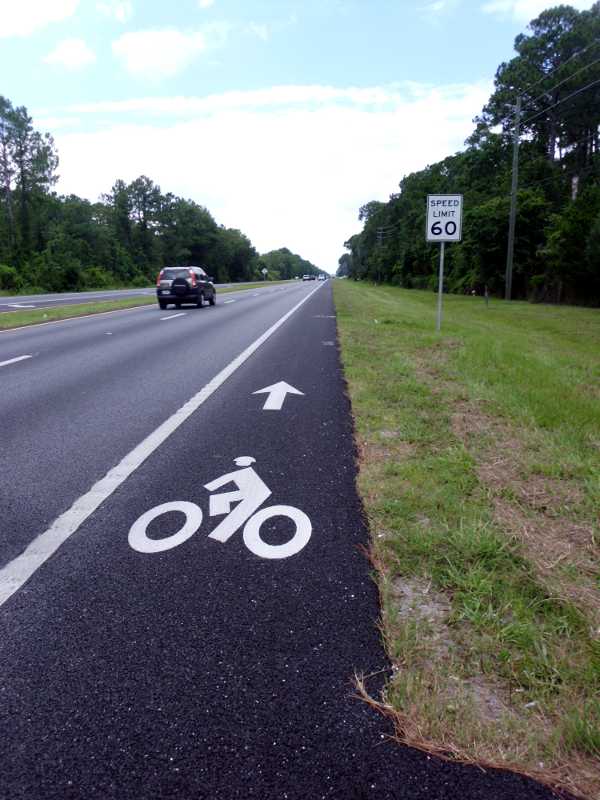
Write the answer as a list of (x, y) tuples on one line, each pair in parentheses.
[(13, 360), (181, 314), (21, 568)]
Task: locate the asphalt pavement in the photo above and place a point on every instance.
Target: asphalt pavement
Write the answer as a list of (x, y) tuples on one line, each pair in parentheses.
[(185, 599)]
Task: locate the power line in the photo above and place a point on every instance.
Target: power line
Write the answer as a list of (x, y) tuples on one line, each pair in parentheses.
[(561, 65), (560, 102), (547, 75), (565, 80), (590, 137), (574, 172)]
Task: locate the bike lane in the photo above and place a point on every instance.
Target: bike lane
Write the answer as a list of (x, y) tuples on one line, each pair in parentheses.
[(206, 670)]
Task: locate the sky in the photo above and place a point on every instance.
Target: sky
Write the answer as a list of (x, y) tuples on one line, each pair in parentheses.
[(282, 117)]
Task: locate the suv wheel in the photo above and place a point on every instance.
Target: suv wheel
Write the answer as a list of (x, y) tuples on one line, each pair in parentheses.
[(162, 304), (212, 299), (200, 302)]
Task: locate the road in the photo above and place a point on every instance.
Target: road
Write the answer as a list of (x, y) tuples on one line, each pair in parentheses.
[(152, 646), (31, 301)]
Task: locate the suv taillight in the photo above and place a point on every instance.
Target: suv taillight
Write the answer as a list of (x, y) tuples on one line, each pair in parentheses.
[(160, 274), (193, 277)]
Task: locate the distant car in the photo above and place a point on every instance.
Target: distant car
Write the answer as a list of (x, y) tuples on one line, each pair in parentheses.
[(179, 285), (321, 278), (307, 277)]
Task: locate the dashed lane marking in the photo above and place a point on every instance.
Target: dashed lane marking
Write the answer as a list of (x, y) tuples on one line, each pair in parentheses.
[(13, 360), (181, 314), (21, 568)]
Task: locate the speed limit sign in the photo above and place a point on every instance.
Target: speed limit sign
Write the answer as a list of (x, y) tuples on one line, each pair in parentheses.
[(444, 224), (444, 217)]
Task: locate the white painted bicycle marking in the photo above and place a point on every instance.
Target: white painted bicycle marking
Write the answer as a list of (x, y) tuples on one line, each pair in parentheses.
[(138, 534), (257, 545), (250, 494)]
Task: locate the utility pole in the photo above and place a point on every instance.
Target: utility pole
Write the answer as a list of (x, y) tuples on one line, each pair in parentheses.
[(379, 243), (513, 203)]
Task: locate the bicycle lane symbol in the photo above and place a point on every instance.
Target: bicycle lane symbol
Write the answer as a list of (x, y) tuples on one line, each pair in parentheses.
[(250, 494)]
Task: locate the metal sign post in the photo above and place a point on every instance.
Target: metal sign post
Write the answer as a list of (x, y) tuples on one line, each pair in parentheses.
[(438, 324), (444, 224)]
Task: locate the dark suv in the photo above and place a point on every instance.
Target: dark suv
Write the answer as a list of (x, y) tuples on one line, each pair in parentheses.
[(184, 285)]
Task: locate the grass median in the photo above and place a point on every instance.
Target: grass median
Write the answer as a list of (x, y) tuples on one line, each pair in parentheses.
[(480, 475), (19, 319)]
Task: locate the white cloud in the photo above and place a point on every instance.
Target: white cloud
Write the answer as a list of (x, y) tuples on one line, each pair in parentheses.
[(282, 97), (56, 123), (119, 10), (260, 30), (164, 53), (289, 166), (24, 17), (526, 10), (72, 54), (205, 3), (434, 8)]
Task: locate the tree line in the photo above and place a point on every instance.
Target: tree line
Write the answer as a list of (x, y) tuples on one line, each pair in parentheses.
[(52, 242), (556, 73)]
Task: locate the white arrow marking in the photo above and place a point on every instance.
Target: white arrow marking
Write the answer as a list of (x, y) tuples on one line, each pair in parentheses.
[(277, 393)]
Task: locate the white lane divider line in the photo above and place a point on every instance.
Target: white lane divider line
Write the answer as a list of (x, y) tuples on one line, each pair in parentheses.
[(228, 301), (181, 314), (13, 360), (21, 568)]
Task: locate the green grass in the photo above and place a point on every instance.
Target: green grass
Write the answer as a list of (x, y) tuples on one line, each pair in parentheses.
[(480, 474), (18, 319)]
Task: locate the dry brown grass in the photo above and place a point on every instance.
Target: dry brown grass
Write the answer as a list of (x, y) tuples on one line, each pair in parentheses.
[(558, 778), (542, 512), (480, 493)]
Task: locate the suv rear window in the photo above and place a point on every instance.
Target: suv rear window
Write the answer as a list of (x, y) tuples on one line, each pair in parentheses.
[(171, 273)]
